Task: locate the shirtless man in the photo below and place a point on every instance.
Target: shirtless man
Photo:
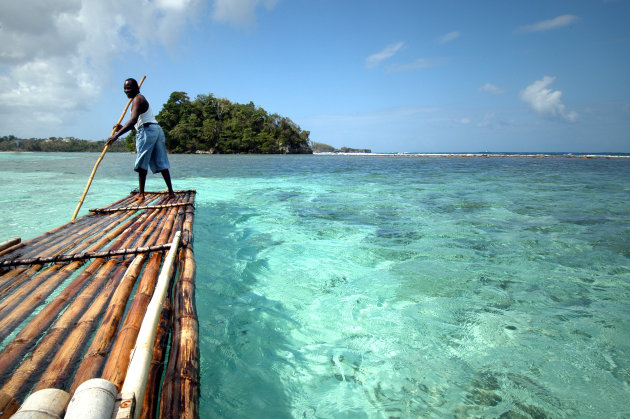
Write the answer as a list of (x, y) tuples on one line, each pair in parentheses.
[(150, 143)]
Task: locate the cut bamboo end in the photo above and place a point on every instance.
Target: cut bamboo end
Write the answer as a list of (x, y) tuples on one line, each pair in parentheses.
[(9, 243), (48, 403), (94, 399)]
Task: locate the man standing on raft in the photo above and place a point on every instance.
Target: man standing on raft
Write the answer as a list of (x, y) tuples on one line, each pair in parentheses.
[(150, 143)]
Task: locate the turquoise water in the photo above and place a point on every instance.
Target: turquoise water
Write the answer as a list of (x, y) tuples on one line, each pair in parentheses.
[(350, 286)]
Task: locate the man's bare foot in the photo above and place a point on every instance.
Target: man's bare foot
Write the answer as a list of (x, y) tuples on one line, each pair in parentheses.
[(140, 198)]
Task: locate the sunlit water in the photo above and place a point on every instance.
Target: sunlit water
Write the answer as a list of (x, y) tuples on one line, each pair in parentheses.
[(348, 286)]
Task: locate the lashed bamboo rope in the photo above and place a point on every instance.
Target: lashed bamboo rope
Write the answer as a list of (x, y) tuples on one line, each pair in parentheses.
[(180, 389), (87, 255), (76, 211), (145, 207)]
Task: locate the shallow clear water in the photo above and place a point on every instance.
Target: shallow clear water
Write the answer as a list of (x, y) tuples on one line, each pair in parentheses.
[(349, 286)]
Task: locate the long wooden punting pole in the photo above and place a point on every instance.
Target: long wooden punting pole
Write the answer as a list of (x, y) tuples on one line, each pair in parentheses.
[(76, 211), (180, 390)]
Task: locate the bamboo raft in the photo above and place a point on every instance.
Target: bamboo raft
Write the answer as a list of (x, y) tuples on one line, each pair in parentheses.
[(76, 301)]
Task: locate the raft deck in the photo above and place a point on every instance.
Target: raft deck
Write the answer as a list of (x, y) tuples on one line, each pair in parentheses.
[(72, 301)]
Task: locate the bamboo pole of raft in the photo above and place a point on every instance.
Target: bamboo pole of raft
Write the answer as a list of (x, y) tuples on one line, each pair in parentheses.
[(76, 211), (180, 388), (95, 356), (138, 371), (152, 395), (116, 366)]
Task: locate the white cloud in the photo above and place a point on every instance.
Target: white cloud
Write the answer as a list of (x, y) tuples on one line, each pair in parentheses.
[(239, 13), (492, 89), (416, 65), (545, 25), (55, 55), (388, 52), (547, 102), (448, 37)]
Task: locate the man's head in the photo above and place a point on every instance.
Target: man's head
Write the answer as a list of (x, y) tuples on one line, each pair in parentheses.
[(131, 88)]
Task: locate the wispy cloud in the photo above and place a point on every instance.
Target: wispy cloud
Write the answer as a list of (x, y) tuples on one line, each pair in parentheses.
[(492, 89), (448, 37), (387, 52), (547, 102), (416, 65), (546, 25), (239, 13)]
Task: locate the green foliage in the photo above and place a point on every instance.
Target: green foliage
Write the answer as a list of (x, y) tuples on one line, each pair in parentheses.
[(12, 143), (216, 125)]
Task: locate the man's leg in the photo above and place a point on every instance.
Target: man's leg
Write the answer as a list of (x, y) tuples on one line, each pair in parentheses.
[(167, 178), (142, 178)]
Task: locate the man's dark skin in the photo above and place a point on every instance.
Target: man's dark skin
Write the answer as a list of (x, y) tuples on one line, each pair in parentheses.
[(139, 106)]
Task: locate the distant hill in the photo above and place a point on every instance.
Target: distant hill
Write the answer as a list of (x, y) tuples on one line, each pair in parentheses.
[(13, 143), (325, 148)]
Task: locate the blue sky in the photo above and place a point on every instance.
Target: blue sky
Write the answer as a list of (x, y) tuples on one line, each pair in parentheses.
[(397, 76)]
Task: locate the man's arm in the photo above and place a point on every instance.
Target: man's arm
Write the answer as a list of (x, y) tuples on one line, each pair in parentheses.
[(138, 103)]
